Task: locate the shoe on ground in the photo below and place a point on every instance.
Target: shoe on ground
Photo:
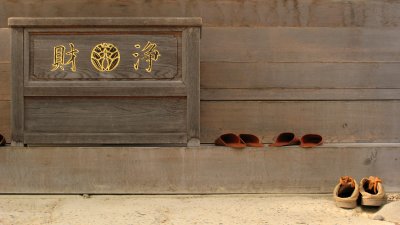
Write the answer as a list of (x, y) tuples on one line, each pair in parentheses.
[(372, 192), (346, 193)]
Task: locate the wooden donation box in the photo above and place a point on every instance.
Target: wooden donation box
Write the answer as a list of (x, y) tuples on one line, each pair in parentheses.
[(105, 80)]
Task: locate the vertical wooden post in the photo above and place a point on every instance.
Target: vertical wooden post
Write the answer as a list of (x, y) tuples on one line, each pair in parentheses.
[(17, 79), (191, 70)]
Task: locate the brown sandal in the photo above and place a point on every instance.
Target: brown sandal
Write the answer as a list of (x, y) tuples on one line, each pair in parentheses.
[(230, 140), (285, 139), (311, 140), (251, 140)]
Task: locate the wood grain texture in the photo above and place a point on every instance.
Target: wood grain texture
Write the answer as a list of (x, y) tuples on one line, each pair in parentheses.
[(5, 120), (291, 13), (17, 82), (284, 44), (105, 91), (151, 139), (300, 75), (336, 121), (5, 45), (191, 67), (127, 170), (42, 48), (104, 21), (299, 94), (105, 115), (5, 81)]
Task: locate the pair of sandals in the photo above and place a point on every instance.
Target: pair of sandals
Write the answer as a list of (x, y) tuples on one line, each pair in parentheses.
[(306, 141), (238, 141)]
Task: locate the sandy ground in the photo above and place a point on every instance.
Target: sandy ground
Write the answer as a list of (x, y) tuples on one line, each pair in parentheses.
[(187, 209)]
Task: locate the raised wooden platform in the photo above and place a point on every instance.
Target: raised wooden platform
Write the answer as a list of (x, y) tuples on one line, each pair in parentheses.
[(208, 169)]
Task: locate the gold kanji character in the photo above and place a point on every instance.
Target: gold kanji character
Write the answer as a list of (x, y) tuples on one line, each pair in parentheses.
[(59, 57), (149, 54)]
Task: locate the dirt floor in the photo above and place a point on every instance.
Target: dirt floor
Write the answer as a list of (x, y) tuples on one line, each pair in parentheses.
[(187, 209)]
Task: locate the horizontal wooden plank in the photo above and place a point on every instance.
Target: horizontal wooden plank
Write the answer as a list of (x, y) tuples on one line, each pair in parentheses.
[(300, 75), (5, 81), (5, 120), (103, 21), (292, 44), (105, 115), (104, 91), (105, 138), (336, 121), (317, 13), (5, 45), (139, 170), (300, 94)]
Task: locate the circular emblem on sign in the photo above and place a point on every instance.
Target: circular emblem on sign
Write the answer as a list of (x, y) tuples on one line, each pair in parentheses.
[(105, 57)]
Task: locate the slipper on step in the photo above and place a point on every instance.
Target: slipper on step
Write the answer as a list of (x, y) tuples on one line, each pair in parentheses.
[(251, 140), (230, 140), (311, 140), (285, 139)]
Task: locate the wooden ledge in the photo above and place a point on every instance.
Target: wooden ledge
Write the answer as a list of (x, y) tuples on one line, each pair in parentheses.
[(183, 170), (103, 21)]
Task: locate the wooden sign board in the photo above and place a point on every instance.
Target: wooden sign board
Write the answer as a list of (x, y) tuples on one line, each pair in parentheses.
[(105, 80)]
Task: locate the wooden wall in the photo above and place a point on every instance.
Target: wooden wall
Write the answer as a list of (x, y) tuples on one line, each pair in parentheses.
[(320, 66)]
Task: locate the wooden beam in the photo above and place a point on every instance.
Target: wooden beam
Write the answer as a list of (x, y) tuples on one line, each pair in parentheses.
[(103, 21), (208, 169), (290, 94), (300, 75)]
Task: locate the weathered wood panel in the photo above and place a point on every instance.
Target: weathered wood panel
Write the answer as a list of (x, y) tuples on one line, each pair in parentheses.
[(114, 22), (43, 47), (5, 81), (105, 115), (5, 45), (299, 94), (336, 121), (17, 81), (5, 120), (300, 75), (191, 67), (284, 44), (122, 170), (316, 13), (108, 138)]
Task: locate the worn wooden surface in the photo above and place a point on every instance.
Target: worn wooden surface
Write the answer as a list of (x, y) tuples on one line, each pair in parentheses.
[(5, 81), (95, 139), (146, 107), (293, 44), (300, 94), (325, 75), (105, 115), (17, 82), (191, 67), (299, 13), (5, 45), (105, 22), (5, 119), (168, 170), (281, 80), (42, 46), (336, 121)]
